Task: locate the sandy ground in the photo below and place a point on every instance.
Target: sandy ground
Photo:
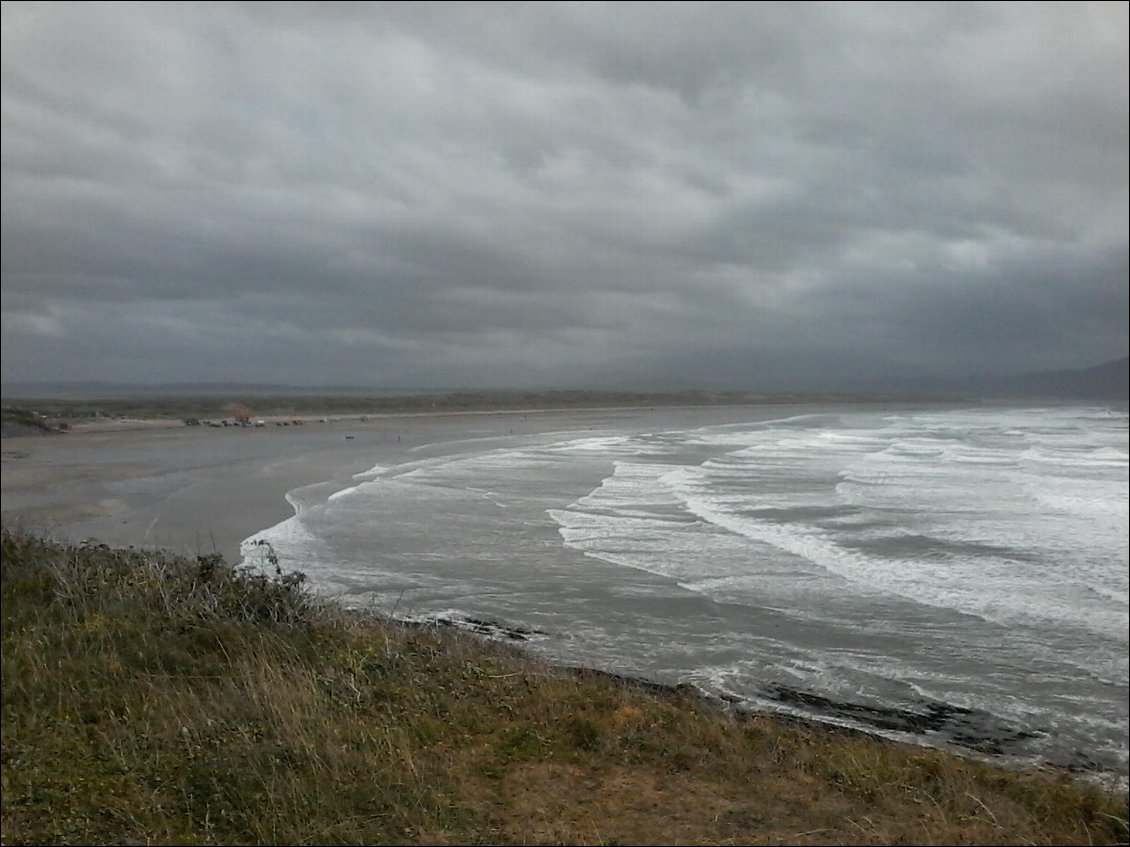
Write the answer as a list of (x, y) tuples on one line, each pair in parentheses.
[(192, 490)]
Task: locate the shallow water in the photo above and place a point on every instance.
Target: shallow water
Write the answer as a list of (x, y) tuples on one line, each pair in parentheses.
[(956, 576)]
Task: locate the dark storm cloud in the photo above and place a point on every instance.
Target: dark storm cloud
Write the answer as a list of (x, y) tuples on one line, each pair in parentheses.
[(537, 194)]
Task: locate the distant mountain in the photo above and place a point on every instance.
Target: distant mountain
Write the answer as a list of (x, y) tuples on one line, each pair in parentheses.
[(1106, 381), (815, 374)]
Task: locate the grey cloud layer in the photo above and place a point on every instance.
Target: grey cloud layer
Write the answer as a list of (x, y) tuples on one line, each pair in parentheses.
[(531, 194)]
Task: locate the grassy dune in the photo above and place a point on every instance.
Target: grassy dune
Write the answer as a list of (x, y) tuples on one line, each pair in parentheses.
[(152, 699), (221, 406)]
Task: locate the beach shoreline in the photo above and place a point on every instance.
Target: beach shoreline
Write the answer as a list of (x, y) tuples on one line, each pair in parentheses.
[(159, 484), (197, 490)]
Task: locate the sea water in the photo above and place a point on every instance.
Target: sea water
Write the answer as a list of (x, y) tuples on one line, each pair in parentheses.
[(956, 577)]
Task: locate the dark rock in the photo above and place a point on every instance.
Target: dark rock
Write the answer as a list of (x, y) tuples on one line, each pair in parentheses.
[(957, 725)]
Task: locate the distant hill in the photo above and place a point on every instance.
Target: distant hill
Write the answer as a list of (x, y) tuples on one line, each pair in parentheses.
[(827, 380), (24, 422), (1106, 381)]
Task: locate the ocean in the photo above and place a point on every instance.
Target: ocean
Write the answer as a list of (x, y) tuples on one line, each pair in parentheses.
[(956, 577)]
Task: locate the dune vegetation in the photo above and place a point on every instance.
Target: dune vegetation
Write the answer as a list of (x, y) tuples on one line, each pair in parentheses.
[(186, 406), (157, 699)]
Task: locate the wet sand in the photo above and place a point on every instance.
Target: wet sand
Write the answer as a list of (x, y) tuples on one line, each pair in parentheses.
[(195, 490)]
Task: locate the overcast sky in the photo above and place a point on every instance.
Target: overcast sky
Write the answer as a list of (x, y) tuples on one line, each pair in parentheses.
[(623, 195)]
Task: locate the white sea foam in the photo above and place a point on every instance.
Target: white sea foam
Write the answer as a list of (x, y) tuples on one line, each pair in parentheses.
[(288, 539), (976, 557), (964, 494), (374, 471)]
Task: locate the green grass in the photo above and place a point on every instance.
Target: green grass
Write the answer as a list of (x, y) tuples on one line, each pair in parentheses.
[(154, 699)]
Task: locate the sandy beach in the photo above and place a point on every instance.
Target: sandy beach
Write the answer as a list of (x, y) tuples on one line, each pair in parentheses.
[(195, 490), (624, 540)]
